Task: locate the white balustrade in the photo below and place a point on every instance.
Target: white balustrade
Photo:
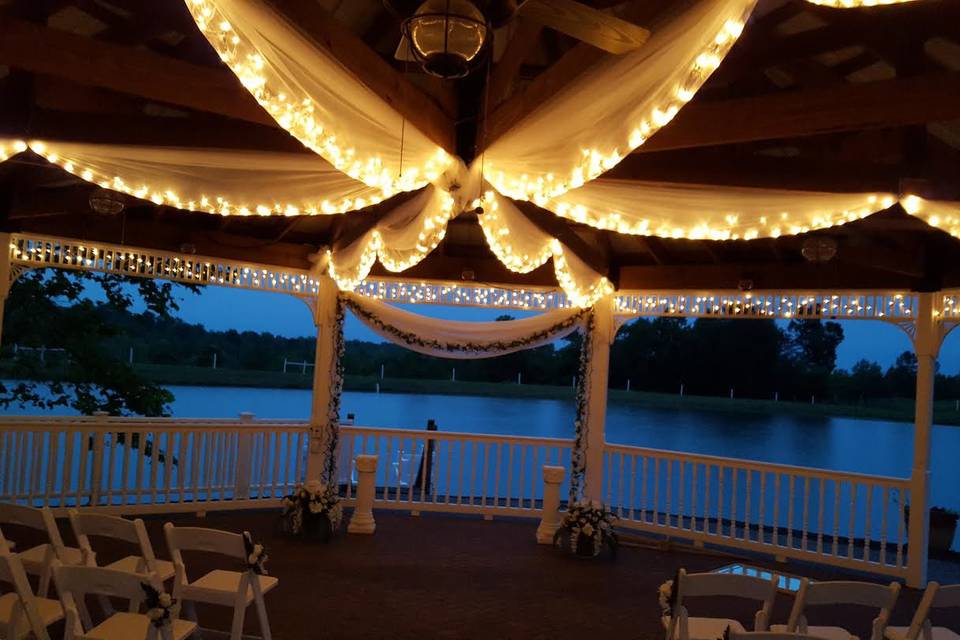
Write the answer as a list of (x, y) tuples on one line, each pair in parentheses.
[(151, 465), (845, 519)]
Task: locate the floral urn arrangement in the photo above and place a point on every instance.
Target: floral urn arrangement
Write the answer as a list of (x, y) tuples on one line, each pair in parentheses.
[(586, 528), (313, 511)]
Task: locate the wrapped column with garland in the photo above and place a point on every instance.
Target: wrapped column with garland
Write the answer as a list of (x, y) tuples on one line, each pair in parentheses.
[(586, 474), (327, 385)]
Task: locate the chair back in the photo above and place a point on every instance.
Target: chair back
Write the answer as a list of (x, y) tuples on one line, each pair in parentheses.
[(13, 573), (32, 518), (695, 585), (769, 635), (223, 543), (866, 594), (934, 597), (115, 527), (77, 581)]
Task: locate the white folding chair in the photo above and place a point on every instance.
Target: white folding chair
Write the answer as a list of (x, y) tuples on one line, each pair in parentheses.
[(76, 582), (864, 594), (935, 597), (769, 635), (681, 626), (130, 531), (37, 560), (21, 612), (237, 589)]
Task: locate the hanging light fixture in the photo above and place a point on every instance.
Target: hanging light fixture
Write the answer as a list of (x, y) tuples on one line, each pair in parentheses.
[(106, 202), (446, 36)]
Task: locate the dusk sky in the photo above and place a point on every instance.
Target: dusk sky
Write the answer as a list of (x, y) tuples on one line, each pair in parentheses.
[(223, 309)]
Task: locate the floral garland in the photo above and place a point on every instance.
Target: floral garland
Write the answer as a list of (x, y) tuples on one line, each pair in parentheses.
[(332, 432), (590, 521), (312, 500), (667, 596), (256, 555), (578, 462), (411, 339), (161, 606)]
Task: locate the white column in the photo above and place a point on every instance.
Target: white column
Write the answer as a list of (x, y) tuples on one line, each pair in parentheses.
[(926, 343), (362, 519), (550, 518), (325, 363), (244, 456), (5, 275), (603, 334)]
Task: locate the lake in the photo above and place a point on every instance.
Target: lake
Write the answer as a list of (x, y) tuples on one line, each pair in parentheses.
[(843, 444)]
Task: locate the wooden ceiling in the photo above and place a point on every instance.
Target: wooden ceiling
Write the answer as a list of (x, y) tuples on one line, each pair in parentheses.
[(810, 98)]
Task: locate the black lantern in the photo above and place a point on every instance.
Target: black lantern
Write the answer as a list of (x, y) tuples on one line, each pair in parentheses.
[(446, 36)]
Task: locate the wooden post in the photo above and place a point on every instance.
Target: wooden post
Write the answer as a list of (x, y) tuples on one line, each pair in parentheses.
[(6, 276), (325, 364), (550, 517), (603, 335), (426, 463), (926, 344), (362, 519), (244, 458)]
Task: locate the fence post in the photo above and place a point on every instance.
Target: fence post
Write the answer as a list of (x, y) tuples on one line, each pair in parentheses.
[(244, 453), (362, 519), (5, 274), (550, 516)]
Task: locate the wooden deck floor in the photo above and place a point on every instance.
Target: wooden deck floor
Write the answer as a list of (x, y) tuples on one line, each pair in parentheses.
[(441, 576)]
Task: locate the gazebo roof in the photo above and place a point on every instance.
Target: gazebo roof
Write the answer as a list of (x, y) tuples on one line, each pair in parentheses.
[(810, 98)]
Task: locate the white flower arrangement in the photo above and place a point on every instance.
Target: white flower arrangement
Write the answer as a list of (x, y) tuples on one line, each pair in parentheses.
[(666, 598), (256, 555), (161, 606), (588, 521), (310, 500)]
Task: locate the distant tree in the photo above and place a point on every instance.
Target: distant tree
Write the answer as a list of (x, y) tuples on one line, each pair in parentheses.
[(51, 308), (866, 380), (811, 352), (902, 376)]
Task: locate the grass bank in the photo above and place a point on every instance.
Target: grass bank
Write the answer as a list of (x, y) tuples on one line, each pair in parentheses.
[(896, 409)]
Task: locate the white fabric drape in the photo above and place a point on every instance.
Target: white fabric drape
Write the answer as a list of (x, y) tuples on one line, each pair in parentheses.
[(522, 247), (942, 214), (671, 210), (311, 95), (462, 340), (591, 124), (223, 181), (404, 237)]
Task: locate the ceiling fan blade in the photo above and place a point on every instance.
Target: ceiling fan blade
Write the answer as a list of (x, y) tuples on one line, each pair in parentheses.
[(585, 23), (403, 51)]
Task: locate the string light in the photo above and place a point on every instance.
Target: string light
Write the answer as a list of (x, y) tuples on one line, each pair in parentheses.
[(852, 4), (732, 226), (433, 230), (942, 215), (593, 162), (221, 204), (497, 232), (299, 116)]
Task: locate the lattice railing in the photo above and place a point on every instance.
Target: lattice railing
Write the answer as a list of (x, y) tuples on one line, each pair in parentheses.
[(40, 251), (777, 305), (949, 307), (464, 295)]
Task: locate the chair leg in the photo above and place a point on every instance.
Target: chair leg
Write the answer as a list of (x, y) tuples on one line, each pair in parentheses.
[(190, 611), (236, 631), (44, 585), (262, 617)]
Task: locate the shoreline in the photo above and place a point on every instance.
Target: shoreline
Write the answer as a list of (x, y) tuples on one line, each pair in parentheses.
[(892, 409)]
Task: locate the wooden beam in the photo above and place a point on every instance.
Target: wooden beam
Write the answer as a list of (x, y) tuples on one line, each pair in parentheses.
[(889, 103), (128, 70), (546, 85), (523, 42), (324, 31)]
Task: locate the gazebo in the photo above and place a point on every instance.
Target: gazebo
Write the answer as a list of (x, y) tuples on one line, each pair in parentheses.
[(723, 158)]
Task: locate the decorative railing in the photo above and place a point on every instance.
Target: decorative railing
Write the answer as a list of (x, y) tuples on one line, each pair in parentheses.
[(439, 471), (838, 518), (464, 295), (142, 465), (768, 304)]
